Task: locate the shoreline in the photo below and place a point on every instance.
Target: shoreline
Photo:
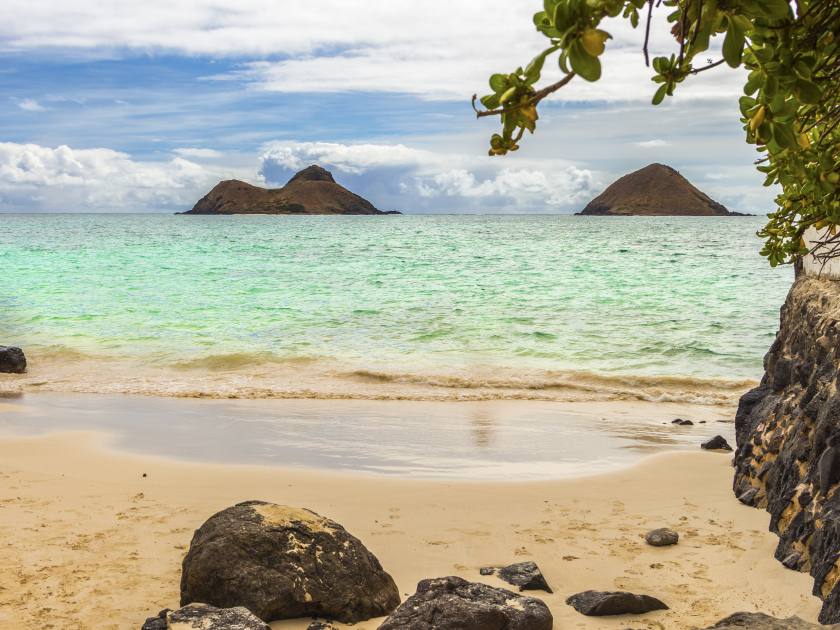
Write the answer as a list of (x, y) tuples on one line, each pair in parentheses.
[(449, 440), (91, 542)]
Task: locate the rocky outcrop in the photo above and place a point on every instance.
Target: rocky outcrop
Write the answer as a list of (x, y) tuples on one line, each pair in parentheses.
[(606, 603), (655, 190), (788, 438), (451, 602), (311, 191), (203, 617), (282, 562), (760, 621), (12, 360)]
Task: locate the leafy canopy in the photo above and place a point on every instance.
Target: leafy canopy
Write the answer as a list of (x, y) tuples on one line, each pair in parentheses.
[(790, 109)]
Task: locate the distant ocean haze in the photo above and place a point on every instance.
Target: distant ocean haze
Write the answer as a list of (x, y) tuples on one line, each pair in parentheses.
[(442, 307)]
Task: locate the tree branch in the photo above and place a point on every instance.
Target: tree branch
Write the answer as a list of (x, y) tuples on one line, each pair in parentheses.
[(647, 33), (707, 67), (536, 98)]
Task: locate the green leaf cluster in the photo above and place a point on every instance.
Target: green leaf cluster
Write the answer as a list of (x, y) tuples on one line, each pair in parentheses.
[(790, 109)]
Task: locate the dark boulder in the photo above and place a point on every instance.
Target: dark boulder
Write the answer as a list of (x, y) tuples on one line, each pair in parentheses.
[(601, 603), (451, 602), (717, 443), (526, 575), (204, 617), (12, 360), (662, 537), (282, 562), (760, 621), (681, 422)]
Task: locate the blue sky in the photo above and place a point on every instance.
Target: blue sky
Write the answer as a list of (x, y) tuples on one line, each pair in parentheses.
[(112, 107)]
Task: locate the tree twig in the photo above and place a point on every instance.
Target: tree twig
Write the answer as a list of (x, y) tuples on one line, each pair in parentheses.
[(536, 98), (707, 67), (647, 33)]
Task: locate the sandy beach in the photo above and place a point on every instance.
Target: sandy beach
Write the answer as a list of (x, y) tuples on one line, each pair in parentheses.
[(94, 537)]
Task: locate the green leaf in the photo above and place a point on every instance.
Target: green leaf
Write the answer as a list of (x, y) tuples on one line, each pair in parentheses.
[(659, 95), (533, 69), (509, 93), (807, 92), (490, 101), (498, 82), (733, 44), (587, 67)]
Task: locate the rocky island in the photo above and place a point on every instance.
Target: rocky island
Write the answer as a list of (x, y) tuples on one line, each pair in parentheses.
[(311, 191), (655, 190)]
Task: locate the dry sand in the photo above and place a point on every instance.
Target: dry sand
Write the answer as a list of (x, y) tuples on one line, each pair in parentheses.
[(89, 542)]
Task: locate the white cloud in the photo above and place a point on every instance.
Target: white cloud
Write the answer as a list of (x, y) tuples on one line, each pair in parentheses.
[(653, 144), (199, 154), (406, 178), (30, 105), (436, 50), (38, 178)]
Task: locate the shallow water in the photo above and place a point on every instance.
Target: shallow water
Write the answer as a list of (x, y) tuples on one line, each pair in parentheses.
[(488, 440), (447, 307)]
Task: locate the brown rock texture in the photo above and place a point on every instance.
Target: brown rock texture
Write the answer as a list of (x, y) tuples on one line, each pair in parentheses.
[(311, 191), (788, 437), (655, 190)]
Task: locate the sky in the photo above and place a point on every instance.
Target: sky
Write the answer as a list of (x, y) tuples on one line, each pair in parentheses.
[(121, 106)]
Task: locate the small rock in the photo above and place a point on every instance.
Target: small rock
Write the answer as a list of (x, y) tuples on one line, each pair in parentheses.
[(320, 625), (451, 602), (526, 575), (662, 537), (760, 621), (681, 422), (12, 360), (717, 443), (282, 562), (603, 603), (205, 617)]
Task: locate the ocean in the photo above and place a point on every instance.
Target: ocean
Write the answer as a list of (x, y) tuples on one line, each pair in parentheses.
[(437, 307)]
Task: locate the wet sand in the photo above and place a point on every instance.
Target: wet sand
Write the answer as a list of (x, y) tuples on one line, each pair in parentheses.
[(89, 541), (478, 440)]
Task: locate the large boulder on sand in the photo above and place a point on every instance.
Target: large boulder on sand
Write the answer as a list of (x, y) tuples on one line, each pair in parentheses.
[(604, 603), (203, 617), (451, 602), (281, 562), (12, 360), (760, 621)]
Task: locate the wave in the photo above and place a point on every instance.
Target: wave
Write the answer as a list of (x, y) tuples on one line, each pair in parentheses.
[(265, 375)]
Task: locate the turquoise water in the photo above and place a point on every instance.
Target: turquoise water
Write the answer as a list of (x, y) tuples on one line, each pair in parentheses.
[(274, 305)]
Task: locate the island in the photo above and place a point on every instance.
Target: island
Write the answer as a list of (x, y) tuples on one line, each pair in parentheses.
[(311, 191), (655, 190)]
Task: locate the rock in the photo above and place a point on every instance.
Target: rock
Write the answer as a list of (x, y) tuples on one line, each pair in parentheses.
[(785, 461), (281, 562), (662, 537), (526, 575), (682, 423), (717, 443), (311, 191), (12, 360), (320, 625), (602, 603), (760, 621), (792, 561), (451, 602), (655, 190), (204, 617)]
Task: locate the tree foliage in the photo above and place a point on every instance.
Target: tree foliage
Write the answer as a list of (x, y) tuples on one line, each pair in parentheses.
[(790, 108)]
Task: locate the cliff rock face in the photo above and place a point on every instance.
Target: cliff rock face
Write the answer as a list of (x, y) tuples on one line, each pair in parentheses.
[(788, 432), (655, 190), (311, 191)]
